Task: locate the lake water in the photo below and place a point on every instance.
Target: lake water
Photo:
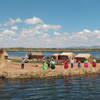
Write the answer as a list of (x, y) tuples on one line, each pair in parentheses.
[(60, 88), (48, 54)]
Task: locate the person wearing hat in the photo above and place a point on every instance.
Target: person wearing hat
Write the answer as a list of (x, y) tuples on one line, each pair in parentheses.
[(44, 65), (79, 64), (94, 62), (22, 63), (86, 63), (52, 64), (66, 64)]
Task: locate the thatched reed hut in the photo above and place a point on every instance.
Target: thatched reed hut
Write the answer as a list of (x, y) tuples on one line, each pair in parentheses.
[(83, 57), (56, 56), (67, 55), (2, 59), (35, 55), (6, 55)]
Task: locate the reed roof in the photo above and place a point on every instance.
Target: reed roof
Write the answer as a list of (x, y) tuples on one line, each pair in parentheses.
[(84, 56), (56, 54), (69, 54), (36, 53), (5, 54)]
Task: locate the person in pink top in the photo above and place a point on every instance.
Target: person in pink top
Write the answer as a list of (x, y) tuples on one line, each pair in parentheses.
[(66, 64), (86, 63)]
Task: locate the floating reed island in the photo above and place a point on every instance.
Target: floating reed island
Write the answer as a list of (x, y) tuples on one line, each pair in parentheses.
[(12, 69), (35, 70)]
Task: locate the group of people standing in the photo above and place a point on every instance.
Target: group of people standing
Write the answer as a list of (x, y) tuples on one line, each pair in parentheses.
[(51, 63), (79, 63)]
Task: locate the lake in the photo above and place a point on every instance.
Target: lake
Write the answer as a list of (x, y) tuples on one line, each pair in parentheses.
[(60, 88), (48, 54)]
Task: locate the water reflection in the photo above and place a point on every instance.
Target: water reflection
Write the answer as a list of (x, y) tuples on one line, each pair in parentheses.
[(64, 88)]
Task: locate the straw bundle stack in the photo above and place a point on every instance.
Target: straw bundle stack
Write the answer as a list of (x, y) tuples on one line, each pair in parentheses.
[(2, 59)]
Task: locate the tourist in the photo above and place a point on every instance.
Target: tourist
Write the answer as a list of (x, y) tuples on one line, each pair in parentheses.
[(22, 63), (86, 63), (72, 63), (94, 62), (44, 65), (66, 64), (52, 64), (79, 64)]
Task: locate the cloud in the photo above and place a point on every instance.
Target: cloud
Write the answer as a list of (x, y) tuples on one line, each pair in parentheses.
[(8, 32), (33, 20), (12, 21), (46, 27), (0, 24), (14, 28), (56, 33), (65, 33), (85, 30), (44, 35)]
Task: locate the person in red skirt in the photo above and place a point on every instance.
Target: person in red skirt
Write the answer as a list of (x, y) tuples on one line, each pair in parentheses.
[(94, 63), (66, 64)]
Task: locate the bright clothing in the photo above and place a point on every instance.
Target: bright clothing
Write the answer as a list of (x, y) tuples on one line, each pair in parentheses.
[(44, 66), (94, 64), (94, 60), (66, 64), (86, 65), (79, 64), (52, 64)]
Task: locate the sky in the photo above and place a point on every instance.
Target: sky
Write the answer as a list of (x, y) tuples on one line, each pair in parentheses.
[(49, 23)]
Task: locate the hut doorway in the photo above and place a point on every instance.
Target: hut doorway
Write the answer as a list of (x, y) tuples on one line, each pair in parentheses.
[(58, 57), (81, 59)]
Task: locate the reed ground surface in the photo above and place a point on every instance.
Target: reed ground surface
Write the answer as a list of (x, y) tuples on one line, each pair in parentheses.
[(35, 70)]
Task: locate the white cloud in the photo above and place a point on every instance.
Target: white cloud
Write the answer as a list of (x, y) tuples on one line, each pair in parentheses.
[(46, 27), (85, 30), (56, 33), (14, 28), (40, 35), (44, 35), (0, 24), (12, 21), (33, 20), (65, 33), (8, 32)]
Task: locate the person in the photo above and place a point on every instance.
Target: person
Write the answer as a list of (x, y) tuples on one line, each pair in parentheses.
[(72, 63), (43, 58), (48, 62), (66, 64), (86, 63), (79, 64), (52, 64), (44, 65), (94, 62), (22, 63)]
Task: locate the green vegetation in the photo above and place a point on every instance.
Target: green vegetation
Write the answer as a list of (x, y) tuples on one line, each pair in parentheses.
[(52, 49)]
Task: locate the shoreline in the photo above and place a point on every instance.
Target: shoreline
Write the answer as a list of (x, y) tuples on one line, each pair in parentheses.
[(52, 49), (13, 70)]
